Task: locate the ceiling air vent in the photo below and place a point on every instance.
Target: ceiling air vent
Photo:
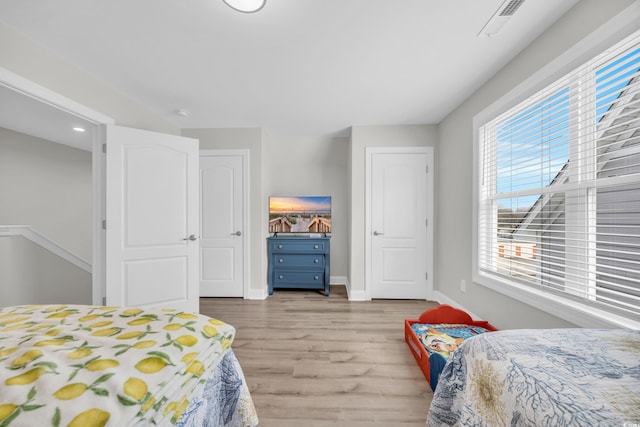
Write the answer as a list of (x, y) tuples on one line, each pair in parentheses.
[(511, 7), (500, 17)]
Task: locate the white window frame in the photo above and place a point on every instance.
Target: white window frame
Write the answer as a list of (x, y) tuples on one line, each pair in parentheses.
[(621, 26)]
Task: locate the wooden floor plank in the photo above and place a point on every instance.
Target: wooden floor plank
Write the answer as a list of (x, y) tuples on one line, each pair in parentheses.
[(317, 361)]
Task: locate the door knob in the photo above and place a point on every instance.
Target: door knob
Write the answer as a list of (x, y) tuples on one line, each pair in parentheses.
[(375, 233), (237, 233), (192, 238)]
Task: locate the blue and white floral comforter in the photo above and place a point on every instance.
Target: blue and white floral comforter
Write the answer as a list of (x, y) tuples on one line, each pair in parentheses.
[(547, 377)]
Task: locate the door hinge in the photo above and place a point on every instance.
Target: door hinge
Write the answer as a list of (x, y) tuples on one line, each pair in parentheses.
[(104, 300), (426, 222), (104, 224), (426, 276), (427, 168), (104, 148)]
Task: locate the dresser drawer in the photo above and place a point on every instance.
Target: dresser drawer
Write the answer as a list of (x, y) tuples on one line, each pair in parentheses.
[(298, 246), (283, 260), (298, 279), (299, 262)]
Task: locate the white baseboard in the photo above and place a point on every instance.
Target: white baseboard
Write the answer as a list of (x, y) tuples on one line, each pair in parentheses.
[(338, 280), (351, 295), (443, 299), (257, 294), (358, 295)]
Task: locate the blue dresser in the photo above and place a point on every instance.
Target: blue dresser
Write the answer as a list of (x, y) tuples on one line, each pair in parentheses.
[(298, 262)]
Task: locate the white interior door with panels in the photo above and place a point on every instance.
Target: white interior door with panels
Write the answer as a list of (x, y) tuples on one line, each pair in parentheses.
[(128, 191), (398, 222), (223, 199), (152, 219)]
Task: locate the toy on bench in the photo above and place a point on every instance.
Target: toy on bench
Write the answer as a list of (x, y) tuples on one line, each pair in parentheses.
[(436, 334)]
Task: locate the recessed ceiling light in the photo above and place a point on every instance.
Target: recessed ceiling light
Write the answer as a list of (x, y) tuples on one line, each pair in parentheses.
[(182, 112), (246, 6), (79, 129)]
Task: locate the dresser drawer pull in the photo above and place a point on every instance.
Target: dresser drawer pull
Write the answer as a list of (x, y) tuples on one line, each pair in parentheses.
[(316, 246), (316, 260), (316, 277), (281, 277), (279, 246), (280, 260)]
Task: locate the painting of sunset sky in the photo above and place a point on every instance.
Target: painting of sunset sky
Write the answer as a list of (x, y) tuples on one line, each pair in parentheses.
[(304, 214)]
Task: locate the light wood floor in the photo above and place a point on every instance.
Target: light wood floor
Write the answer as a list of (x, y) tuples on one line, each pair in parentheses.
[(314, 361)]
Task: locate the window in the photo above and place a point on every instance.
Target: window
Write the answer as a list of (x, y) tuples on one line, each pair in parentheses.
[(559, 188)]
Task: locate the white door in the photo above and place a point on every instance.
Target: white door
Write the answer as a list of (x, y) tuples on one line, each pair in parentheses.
[(151, 219), (222, 226), (399, 261)]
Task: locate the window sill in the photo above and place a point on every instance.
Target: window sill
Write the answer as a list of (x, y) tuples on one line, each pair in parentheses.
[(572, 311)]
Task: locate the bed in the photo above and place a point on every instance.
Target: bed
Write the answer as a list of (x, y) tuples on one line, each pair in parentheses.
[(436, 334), (79, 365), (548, 377)]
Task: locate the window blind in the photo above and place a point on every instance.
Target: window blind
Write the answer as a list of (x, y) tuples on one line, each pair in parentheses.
[(559, 190)]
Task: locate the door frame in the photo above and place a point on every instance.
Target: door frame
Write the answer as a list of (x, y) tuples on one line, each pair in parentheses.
[(368, 258), (246, 231), (40, 93)]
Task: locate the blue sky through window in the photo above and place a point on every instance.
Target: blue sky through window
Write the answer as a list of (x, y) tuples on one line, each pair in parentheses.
[(612, 78), (533, 146)]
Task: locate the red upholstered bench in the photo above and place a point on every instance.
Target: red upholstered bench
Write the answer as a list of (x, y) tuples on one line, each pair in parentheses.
[(444, 327)]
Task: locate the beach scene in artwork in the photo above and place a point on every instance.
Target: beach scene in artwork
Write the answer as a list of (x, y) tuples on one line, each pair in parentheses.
[(305, 214)]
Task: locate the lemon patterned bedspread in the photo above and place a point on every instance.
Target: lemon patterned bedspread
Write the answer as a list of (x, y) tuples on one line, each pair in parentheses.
[(75, 365)]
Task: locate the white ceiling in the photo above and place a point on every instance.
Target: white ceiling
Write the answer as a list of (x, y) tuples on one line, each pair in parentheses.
[(308, 66), (28, 115)]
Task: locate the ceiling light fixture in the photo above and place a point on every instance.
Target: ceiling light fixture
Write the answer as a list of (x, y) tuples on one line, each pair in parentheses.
[(79, 129), (246, 6)]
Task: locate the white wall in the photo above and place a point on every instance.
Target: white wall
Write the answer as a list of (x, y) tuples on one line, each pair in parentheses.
[(452, 138), (55, 281), (31, 61), (454, 161), (47, 186), (297, 165), (373, 136), (21, 56), (286, 164), (5, 269)]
